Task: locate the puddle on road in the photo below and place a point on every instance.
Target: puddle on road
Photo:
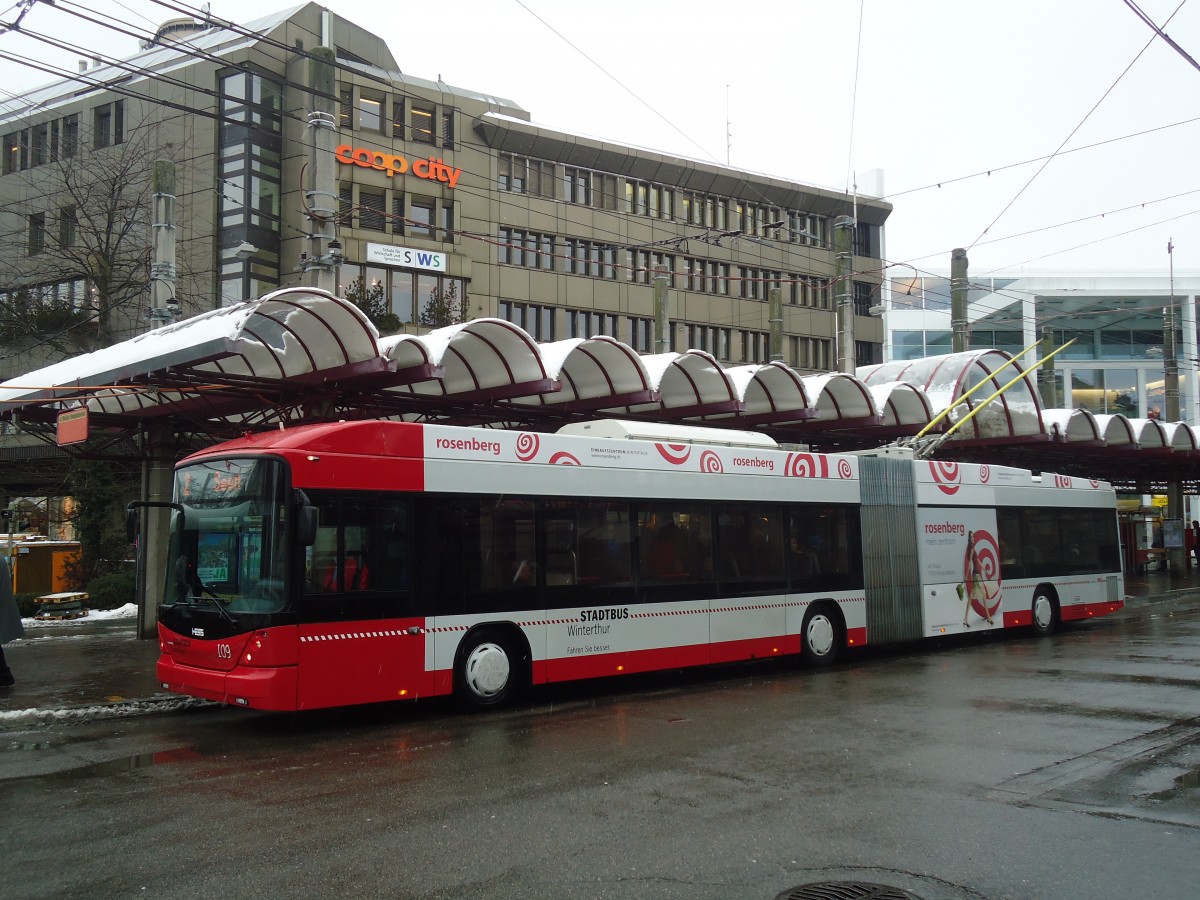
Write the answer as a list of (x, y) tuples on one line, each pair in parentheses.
[(113, 766)]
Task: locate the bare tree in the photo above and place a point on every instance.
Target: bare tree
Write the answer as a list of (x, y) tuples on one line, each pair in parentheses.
[(80, 228)]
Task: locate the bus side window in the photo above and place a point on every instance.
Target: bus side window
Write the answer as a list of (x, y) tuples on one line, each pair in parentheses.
[(389, 548), (321, 557)]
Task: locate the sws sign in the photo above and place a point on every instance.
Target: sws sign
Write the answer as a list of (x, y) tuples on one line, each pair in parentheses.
[(430, 169)]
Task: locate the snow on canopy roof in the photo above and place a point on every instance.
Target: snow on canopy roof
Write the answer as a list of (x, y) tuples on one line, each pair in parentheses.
[(1016, 414), (480, 359), (1116, 430), (1180, 437), (297, 334), (1072, 426), (689, 384), (773, 393), (901, 405), (592, 372), (1149, 434), (841, 397)]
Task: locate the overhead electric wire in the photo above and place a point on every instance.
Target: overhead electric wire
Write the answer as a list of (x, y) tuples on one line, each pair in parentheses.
[(1162, 34), (614, 234), (1042, 168), (988, 172)]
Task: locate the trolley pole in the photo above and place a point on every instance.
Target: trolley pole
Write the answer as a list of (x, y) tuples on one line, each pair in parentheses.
[(960, 337)]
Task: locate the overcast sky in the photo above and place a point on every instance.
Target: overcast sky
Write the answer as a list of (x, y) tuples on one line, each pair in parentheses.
[(928, 91)]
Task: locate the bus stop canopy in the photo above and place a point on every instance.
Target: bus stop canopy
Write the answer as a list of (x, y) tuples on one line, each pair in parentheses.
[(303, 355)]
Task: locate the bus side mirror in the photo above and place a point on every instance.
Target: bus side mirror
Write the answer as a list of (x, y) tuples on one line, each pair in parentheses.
[(306, 520), (132, 523)]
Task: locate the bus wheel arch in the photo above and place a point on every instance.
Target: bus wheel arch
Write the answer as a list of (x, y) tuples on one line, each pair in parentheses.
[(491, 667), (823, 633), (1045, 609)]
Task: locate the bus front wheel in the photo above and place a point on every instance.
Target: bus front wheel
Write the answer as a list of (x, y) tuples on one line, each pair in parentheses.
[(1045, 612), (820, 636), (488, 670)]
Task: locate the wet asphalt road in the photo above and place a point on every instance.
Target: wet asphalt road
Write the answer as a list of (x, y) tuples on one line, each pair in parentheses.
[(998, 768)]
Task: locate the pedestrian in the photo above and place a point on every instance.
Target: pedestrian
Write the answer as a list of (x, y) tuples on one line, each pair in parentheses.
[(10, 620)]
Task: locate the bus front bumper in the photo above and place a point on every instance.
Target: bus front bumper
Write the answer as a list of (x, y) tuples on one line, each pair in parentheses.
[(253, 688)]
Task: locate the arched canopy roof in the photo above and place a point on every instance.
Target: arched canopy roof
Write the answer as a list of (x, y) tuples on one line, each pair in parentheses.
[(1072, 426), (214, 362), (689, 385), (301, 354), (484, 359), (1014, 415), (592, 372)]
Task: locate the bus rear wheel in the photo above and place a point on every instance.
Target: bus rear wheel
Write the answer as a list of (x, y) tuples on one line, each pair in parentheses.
[(820, 636), (488, 670), (1045, 612)]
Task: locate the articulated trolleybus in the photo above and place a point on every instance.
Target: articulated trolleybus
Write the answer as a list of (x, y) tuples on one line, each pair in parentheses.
[(368, 561)]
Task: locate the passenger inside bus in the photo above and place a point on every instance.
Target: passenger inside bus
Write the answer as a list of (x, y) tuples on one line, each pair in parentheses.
[(666, 556), (356, 575)]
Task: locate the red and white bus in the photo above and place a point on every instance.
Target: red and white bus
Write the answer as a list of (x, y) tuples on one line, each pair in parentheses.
[(368, 561)]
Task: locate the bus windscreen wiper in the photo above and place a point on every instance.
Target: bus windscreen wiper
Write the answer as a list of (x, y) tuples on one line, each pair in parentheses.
[(217, 600)]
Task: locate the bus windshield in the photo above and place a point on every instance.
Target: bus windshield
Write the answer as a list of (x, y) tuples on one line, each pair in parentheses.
[(227, 546)]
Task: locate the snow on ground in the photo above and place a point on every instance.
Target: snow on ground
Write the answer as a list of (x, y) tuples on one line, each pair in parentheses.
[(128, 611)]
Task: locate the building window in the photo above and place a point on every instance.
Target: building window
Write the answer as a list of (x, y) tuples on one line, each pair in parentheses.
[(644, 266), (370, 113), (522, 175), (448, 129), (755, 346), (447, 226), (372, 206), (101, 127), (70, 136), (537, 320), (525, 248), (644, 198), (37, 233), (420, 217), (581, 257), (641, 334), (346, 108), (863, 295), (421, 120), (583, 323), (867, 353), (68, 226), (577, 186)]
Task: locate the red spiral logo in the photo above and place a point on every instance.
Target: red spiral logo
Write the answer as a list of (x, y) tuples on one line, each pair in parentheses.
[(1062, 481), (527, 446), (988, 551), (844, 469), (711, 463), (562, 458), (985, 474), (1094, 483), (675, 454), (806, 465), (945, 475)]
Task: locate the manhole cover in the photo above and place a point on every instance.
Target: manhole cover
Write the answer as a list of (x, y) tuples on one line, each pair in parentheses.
[(845, 890)]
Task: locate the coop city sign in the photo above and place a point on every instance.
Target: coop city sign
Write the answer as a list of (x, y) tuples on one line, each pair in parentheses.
[(430, 169)]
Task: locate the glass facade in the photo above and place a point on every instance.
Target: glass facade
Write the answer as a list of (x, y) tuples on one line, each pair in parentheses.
[(250, 175)]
